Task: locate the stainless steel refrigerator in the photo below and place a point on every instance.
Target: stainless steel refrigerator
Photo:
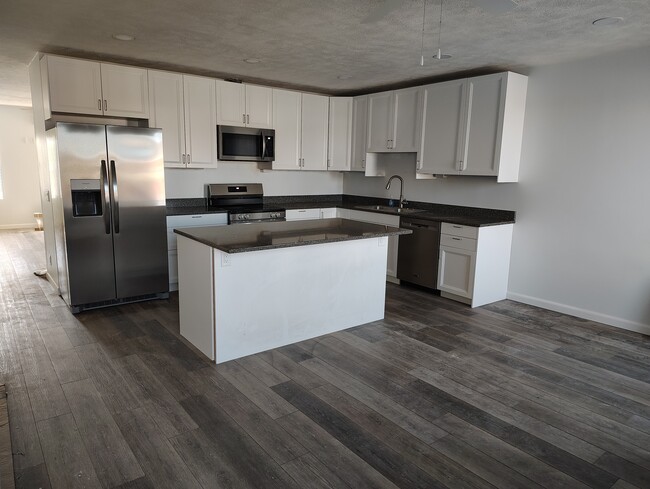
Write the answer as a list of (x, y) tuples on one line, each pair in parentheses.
[(108, 196)]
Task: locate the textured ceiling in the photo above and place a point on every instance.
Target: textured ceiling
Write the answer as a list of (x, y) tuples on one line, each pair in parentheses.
[(314, 45)]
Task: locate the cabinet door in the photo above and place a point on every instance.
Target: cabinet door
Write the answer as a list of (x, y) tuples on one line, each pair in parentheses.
[(200, 122), (405, 134), (314, 125), (125, 91), (359, 121), (485, 116), (74, 85), (286, 121), (443, 121), (167, 113), (231, 103), (379, 117), (456, 271), (259, 107), (340, 132)]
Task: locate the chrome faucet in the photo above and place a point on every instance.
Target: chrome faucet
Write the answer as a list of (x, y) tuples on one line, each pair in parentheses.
[(402, 200)]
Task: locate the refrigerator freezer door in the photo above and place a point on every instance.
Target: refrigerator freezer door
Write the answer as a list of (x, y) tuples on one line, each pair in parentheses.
[(83, 231), (139, 213)]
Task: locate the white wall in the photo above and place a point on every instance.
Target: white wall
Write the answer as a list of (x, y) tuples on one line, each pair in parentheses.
[(184, 183), (581, 243), (19, 168)]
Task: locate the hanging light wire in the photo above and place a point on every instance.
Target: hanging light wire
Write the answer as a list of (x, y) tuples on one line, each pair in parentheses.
[(424, 16), (439, 54)]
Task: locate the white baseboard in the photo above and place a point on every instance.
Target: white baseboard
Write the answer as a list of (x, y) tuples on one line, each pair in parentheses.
[(581, 313), (18, 226)]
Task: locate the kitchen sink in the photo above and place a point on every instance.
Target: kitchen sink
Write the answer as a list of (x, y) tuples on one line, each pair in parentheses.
[(388, 209)]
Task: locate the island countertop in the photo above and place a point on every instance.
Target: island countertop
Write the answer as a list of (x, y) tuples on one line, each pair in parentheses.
[(240, 238)]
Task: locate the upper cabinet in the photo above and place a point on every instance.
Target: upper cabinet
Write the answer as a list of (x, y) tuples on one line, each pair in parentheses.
[(474, 126), (301, 130), (240, 104), (88, 87), (359, 123), (393, 121), (184, 107), (340, 132)]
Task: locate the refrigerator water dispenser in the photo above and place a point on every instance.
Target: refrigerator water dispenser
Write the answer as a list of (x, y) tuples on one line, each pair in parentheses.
[(86, 198)]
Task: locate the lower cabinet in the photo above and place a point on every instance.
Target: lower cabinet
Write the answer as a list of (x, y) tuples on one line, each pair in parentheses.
[(187, 221), (304, 214), (393, 241), (474, 263)]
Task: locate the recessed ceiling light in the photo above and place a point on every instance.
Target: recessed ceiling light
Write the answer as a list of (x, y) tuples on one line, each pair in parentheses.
[(252, 60), (607, 21), (123, 37)]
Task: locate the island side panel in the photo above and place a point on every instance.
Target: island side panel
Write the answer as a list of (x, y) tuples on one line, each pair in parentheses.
[(271, 298), (196, 294)]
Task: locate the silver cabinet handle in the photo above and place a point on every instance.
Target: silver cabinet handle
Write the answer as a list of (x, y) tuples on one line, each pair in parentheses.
[(105, 105), (456, 239), (248, 118), (189, 158), (363, 163), (243, 118), (116, 200), (183, 158), (99, 104)]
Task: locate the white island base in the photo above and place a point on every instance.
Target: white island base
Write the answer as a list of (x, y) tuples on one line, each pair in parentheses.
[(237, 304)]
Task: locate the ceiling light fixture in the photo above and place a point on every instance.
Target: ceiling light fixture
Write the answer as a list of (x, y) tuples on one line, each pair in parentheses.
[(439, 54), (605, 21), (123, 37), (252, 60)]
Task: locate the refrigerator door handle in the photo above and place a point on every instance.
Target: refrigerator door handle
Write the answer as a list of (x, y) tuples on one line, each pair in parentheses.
[(115, 198), (106, 203)]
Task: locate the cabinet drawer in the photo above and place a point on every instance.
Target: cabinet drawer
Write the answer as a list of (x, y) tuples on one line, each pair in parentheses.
[(189, 221), (458, 242), (459, 230), (296, 214)]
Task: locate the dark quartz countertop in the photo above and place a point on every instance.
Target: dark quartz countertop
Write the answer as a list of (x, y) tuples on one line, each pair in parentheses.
[(468, 216), (239, 238)]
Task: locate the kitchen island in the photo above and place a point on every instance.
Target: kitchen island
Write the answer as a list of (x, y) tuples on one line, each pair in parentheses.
[(248, 288)]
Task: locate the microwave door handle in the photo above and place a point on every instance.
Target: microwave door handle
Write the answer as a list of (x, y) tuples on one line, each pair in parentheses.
[(263, 146)]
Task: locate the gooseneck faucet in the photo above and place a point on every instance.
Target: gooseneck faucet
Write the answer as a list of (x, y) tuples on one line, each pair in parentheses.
[(402, 201)]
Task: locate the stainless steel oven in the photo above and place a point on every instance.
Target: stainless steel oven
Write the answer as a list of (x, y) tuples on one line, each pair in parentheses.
[(245, 144)]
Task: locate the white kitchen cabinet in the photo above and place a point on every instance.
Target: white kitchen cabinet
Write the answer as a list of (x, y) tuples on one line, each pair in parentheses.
[(474, 127), (301, 130), (240, 104), (328, 213), (339, 153), (359, 122), (304, 214), (474, 263), (186, 221), (88, 87), (393, 241), (393, 121), (183, 106)]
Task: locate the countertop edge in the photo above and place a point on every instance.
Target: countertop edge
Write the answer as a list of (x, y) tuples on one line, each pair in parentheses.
[(390, 231)]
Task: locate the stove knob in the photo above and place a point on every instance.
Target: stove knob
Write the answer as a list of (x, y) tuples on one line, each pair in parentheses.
[(247, 216)]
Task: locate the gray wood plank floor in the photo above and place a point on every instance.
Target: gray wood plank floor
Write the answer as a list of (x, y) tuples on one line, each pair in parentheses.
[(435, 395)]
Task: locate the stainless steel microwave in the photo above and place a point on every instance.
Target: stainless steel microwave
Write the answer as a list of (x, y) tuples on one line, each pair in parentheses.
[(245, 144)]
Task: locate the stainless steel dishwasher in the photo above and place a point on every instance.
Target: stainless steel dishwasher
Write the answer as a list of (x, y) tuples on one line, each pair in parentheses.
[(417, 258)]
